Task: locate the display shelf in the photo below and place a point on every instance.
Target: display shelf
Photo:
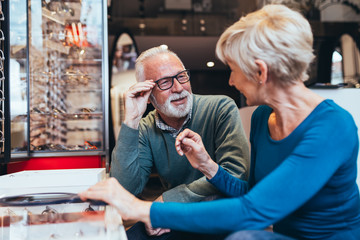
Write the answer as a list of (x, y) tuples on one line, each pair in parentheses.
[(51, 15), (59, 62)]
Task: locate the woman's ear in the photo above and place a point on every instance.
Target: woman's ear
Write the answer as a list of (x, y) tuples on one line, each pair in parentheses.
[(263, 70)]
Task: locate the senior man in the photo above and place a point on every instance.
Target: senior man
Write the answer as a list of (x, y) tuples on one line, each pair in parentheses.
[(144, 143)]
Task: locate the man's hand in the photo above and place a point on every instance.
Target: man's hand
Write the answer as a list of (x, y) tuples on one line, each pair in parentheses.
[(190, 144), (136, 99), (156, 231)]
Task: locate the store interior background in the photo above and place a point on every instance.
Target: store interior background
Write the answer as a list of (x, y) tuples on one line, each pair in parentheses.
[(191, 29)]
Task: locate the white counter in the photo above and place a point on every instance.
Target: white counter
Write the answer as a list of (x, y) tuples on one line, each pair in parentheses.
[(41, 181)]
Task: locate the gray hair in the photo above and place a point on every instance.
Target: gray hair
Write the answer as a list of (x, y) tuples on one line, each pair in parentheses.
[(279, 36), (144, 56)]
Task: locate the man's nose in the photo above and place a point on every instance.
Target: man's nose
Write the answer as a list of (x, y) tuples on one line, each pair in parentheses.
[(177, 87)]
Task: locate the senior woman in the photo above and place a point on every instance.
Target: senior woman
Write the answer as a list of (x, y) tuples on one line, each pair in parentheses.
[(303, 147)]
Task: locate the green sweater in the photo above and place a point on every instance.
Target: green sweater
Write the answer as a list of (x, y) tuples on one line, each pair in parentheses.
[(215, 118)]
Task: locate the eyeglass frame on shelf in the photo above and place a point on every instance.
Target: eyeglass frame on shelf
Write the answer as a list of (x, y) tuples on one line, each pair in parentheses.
[(2, 138), (172, 79), (2, 76), (2, 58), (2, 55)]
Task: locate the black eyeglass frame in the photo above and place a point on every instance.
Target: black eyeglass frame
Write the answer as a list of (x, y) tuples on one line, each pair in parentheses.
[(172, 79)]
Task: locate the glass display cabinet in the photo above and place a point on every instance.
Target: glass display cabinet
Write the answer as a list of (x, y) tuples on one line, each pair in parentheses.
[(59, 72), (4, 83)]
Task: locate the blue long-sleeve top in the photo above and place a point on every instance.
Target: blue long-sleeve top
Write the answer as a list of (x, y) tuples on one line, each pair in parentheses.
[(304, 184)]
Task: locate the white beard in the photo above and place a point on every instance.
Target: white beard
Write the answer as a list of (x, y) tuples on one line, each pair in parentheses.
[(171, 111)]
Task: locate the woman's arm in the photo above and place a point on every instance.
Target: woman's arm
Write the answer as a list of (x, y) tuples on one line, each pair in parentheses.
[(321, 152)]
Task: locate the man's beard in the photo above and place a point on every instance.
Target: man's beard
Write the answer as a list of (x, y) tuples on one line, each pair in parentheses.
[(171, 111)]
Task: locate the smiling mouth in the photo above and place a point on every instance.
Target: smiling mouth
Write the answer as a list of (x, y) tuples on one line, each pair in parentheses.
[(178, 100)]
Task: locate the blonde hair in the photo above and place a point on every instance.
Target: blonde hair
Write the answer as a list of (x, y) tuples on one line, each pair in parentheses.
[(144, 56), (279, 36)]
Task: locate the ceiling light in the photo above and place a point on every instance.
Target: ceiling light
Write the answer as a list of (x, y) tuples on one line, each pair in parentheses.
[(210, 64), (142, 26)]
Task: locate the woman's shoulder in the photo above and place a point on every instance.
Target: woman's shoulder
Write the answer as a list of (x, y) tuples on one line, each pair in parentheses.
[(328, 117), (261, 112), (260, 117), (329, 110)]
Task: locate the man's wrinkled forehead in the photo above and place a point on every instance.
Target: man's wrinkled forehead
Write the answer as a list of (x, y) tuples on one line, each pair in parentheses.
[(162, 65)]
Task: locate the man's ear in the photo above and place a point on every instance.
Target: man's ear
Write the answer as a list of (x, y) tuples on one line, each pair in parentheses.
[(263, 70)]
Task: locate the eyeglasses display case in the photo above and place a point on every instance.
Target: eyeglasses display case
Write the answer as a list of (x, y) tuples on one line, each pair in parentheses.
[(44, 204), (58, 73)]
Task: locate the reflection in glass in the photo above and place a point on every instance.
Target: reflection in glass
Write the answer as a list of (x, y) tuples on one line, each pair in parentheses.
[(125, 54), (336, 68), (122, 77), (63, 83), (100, 225), (18, 65)]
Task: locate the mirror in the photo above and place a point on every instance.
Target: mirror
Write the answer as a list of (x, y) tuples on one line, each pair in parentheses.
[(122, 76), (124, 56)]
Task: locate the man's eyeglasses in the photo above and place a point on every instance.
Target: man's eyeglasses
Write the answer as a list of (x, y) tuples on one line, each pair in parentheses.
[(167, 82)]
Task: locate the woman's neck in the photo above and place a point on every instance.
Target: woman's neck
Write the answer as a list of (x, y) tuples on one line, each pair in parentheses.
[(291, 105)]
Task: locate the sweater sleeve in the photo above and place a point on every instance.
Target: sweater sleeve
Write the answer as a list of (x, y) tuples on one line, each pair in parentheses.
[(228, 184), (231, 153), (126, 166), (205, 191), (320, 153), (231, 144)]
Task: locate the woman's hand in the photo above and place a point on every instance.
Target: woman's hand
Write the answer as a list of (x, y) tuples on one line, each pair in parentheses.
[(190, 144), (111, 192), (156, 231)]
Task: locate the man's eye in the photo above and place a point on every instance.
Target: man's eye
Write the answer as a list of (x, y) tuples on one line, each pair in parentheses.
[(182, 76), (164, 82)]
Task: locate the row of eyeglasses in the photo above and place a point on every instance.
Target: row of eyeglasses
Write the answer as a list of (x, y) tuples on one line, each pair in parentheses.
[(2, 81)]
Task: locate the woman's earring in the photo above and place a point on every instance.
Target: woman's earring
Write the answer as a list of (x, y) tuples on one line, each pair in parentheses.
[(260, 82)]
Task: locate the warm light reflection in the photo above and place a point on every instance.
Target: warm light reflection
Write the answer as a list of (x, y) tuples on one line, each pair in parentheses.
[(210, 64)]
